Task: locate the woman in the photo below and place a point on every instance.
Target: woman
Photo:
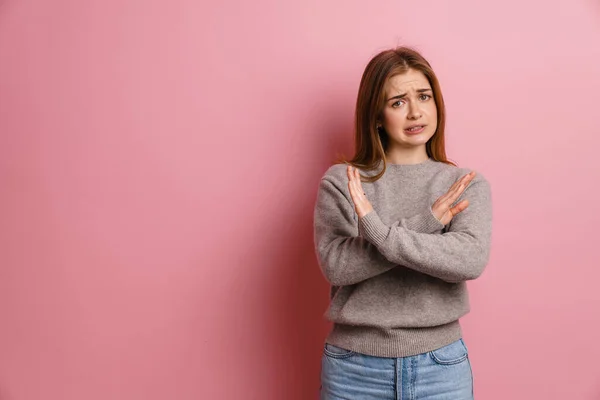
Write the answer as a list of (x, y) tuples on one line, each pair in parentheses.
[(399, 230)]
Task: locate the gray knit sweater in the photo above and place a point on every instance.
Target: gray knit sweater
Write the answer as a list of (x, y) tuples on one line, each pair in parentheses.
[(397, 274)]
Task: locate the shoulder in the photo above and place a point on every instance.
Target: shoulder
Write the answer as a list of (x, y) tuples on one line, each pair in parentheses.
[(336, 174), (453, 173), (333, 186)]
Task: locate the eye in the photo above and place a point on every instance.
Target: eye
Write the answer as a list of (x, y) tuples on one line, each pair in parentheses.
[(424, 97), (398, 103)]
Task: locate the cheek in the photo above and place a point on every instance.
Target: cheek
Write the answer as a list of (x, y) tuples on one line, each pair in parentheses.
[(432, 110), (393, 118)]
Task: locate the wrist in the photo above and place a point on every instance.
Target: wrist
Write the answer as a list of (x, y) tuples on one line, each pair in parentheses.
[(364, 211)]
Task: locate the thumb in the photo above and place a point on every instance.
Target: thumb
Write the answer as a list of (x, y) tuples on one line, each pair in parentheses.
[(459, 207)]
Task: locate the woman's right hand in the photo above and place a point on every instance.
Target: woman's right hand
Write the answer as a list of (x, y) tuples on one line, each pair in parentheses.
[(442, 209)]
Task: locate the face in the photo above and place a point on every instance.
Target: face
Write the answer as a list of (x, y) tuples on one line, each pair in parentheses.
[(409, 103)]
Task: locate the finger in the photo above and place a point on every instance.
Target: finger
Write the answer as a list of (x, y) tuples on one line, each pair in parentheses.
[(463, 183), (357, 193), (358, 182), (458, 182), (350, 179), (463, 186), (449, 197), (460, 207), (355, 180), (352, 192), (457, 191), (469, 177), (466, 177)]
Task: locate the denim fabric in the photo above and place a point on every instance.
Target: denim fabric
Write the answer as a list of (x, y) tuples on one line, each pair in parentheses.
[(442, 374)]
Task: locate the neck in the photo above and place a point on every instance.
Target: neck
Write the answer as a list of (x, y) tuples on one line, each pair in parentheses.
[(415, 155)]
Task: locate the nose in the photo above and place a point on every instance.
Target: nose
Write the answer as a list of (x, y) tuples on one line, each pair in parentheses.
[(414, 112)]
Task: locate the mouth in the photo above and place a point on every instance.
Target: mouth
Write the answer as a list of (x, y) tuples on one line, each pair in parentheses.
[(413, 130)]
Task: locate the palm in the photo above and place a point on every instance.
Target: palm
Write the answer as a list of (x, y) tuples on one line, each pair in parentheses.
[(452, 212), (443, 209)]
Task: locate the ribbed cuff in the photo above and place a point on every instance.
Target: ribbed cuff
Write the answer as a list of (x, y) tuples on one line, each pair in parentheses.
[(375, 231), (373, 228), (428, 223)]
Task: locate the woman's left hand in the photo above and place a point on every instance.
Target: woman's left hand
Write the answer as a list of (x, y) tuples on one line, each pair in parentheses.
[(361, 203)]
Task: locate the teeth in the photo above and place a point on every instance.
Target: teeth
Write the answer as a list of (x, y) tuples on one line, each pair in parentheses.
[(414, 128)]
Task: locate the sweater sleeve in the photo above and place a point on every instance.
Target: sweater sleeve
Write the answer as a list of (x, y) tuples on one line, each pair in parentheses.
[(459, 254), (345, 257)]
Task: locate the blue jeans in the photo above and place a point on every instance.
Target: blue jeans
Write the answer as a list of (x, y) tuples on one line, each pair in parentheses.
[(442, 374)]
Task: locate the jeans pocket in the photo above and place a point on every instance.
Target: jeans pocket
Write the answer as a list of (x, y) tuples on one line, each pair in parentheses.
[(337, 352), (454, 353)]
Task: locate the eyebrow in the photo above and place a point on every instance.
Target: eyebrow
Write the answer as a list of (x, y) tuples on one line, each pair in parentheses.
[(400, 96)]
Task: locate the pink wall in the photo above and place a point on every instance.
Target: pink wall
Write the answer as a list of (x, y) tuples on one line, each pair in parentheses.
[(158, 168)]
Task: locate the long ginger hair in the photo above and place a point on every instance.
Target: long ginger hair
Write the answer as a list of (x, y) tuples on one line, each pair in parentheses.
[(371, 143)]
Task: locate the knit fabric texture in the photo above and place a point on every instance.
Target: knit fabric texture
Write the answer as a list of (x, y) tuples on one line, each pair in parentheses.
[(398, 276)]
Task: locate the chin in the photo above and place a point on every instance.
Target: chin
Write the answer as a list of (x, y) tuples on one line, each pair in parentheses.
[(419, 139), (416, 140)]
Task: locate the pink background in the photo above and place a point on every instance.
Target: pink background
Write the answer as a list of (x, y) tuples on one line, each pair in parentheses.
[(159, 164)]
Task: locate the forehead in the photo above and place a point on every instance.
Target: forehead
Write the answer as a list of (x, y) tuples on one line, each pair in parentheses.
[(407, 82)]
